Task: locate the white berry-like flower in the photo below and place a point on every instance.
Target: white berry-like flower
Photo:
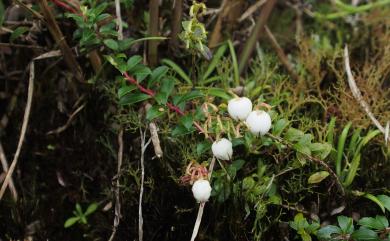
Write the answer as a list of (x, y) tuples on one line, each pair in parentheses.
[(222, 149), (259, 122), (239, 108), (201, 190)]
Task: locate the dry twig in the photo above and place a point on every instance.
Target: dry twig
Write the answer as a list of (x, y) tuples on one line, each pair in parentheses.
[(280, 53), (119, 19), (251, 10), (314, 160), (4, 164), (23, 131), (26, 117), (358, 96), (60, 40), (116, 188), (144, 145), (68, 122)]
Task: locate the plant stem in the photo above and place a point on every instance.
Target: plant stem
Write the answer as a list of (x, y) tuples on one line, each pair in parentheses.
[(313, 159), (153, 31), (251, 42), (60, 40), (176, 22)]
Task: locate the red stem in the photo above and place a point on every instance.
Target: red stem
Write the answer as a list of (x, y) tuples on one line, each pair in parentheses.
[(65, 6), (170, 105)]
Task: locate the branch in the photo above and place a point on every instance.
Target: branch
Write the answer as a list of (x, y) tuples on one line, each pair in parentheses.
[(4, 164), (116, 188), (312, 159), (119, 19), (144, 145), (358, 96), (169, 105), (60, 40), (23, 131)]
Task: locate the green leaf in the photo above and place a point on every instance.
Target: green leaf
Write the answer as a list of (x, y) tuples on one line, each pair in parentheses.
[(97, 10), (322, 150), (133, 98), (236, 73), (215, 61), (352, 170), (154, 112), (181, 130), (125, 44), (217, 92), (304, 149), (383, 220), (189, 96), (83, 219), (71, 221), (372, 223), (340, 147), (91, 209), (330, 131), (238, 164), (305, 236), (167, 85), (79, 210), (346, 224), (364, 234), (18, 32), (187, 121), (177, 69), (127, 89), (141, 72), (157, 74), (145, 39), (327, 232), (294, 135), (375, 200), (279, 126), (202, 147), (112, 44), (248, 183), (318, 177), (133, 61), (385, 200)]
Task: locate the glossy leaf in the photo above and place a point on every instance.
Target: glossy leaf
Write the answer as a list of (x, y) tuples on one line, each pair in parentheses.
[(385, 200), (154, 112), (318, 177), (71, 221), (133, 61), (112, 44), (18, 32), (91, 209), (133, 98)]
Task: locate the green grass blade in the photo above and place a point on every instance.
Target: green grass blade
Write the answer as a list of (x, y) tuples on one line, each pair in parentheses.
[(353, 143), (330, 131), (340, 147), (236, 73), (215, 61), (177, 69), (352, 170)]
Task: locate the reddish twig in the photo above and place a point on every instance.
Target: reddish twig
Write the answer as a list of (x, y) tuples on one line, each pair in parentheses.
[(65, 6), (169, 105)]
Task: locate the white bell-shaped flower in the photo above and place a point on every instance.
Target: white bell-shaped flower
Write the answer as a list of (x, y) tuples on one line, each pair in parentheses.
[(259, 122), (239, 108), (201, 190), (222, 149)]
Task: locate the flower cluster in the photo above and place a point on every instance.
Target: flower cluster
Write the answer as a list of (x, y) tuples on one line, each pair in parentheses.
[(258, 122)]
